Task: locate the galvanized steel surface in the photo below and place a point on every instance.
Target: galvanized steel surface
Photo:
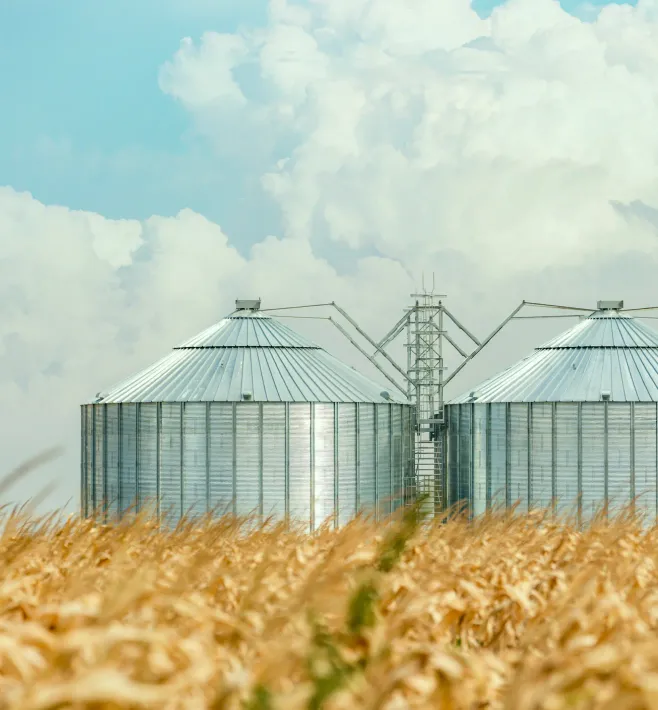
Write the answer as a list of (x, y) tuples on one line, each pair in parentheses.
[(256, 356), (305, 461), (606, 353), (252, 331), (607, 329), (578, 457)]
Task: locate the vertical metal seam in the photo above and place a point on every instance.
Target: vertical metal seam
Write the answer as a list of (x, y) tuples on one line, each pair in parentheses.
[(471, 504), (106, 503), (412, 478), (390, 458), (158, 461), (580, 463), (458, 456), (606, 467), (443, 441), (336, 467), (449, 454), (554, 457), (137, 501), (83, 461), (120, 427), (182, 459), (376, 435), (487, 458), (508, 463), (632, 442), (208, 452), (357, 492), (286, 474), (312, 466), (93, 459), (531, 443), (260, 462), (234, 453)]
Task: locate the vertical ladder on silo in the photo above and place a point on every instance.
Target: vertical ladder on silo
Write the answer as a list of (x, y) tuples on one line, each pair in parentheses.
[(430, 466)]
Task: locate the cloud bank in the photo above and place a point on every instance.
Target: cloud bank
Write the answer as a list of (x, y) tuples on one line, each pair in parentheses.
[(515, 157)]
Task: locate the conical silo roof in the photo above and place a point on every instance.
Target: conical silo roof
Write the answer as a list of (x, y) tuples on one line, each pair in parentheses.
[(249, 356), (607, 355)]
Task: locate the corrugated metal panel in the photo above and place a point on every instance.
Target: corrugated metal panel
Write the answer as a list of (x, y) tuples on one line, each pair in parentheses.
[(480, 448), (518, 455), (248, 470), (396, 457), (253, 331), (454, 470), (384, 459), (367, 452), (274, 460), (465, 454), (100, 494), (275, 375), (83, 462), (615, 355), (346, 462), (300, 462), (253, 355), (195, 455), (541, 456), (171, 461), (221, 447), (128, 456), (89, 459), (407, 451), (593, 453), (195, 490), (147, 442), (324, 478), (112, 459), (645, 432), (566, 459), (619, 457), (606, 330), (498, 454), (600, 452)]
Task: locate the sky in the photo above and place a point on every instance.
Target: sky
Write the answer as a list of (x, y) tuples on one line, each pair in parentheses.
[(159, 159)]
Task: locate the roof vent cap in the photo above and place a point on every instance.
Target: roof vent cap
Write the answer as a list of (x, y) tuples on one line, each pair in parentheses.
[(385, 395), (246, 396), (609, 305), (246, 304), (605, 396)]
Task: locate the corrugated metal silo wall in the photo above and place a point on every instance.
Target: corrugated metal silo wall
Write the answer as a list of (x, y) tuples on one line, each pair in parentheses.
[(305, 461), (580, 455)]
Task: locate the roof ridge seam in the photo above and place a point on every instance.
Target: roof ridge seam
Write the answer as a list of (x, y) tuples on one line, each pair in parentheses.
[(247, 347)]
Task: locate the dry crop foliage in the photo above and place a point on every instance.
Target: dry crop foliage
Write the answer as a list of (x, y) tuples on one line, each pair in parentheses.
[(512, 612)]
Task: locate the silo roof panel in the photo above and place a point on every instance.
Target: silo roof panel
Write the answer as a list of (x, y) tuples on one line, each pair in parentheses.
[(604, 354), (252, 355), (606, 331), (254, 331)]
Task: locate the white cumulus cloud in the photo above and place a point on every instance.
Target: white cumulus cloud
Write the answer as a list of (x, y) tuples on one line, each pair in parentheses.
[(515, 157), (410, 127), (86, 301)]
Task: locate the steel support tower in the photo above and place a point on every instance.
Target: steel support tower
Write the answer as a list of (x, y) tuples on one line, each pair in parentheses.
[(425, 369)]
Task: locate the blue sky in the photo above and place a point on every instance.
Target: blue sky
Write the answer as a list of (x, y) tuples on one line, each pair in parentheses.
[(84, 123)]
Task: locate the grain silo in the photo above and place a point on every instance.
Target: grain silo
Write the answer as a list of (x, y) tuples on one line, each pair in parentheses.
[(571, 425), (247, 417)]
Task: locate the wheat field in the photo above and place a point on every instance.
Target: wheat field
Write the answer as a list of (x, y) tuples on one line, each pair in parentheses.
[(511, 612)]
